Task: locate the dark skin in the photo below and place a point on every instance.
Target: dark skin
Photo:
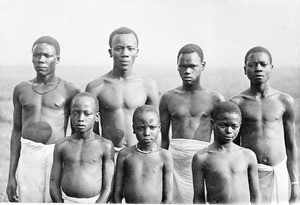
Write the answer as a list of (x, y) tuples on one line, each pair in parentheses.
[(120, 92), (41, 109), (268, 119), (83, 164)]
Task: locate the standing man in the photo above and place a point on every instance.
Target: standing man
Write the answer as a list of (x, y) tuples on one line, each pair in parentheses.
[(120, 91), (268, 129), (41, 113), (188, 108)]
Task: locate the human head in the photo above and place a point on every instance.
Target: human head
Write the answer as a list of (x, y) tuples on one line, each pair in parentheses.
[(84, 112), (144, 117), (258, 65), (48, 40), (88, 95), (190, 64), (191, 48), (226, 121), (258, 49), (122, 30)]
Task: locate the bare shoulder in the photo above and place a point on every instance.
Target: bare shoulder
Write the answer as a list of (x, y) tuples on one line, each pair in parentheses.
[(61, 143), (71, 88), (248, 154), (126, 152), (165, 154), (285, 98), (201, 155), (215, 96), (105, 143), (19, 88), (238, 98), (169, 94), (97, 82)]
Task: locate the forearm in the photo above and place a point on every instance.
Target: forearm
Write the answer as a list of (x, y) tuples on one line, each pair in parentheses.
[(55, 192), (292, 163), (15, 148)]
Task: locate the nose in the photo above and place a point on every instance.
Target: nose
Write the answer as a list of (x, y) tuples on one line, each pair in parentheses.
[(125, 52), (187, 70), (41, 58), (80, 117), (229, 129), (147, 131), (258, 68)]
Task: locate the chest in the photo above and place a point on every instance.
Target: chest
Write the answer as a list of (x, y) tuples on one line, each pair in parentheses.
[(83, 154), (122, 95), (190, 106), (226, 164), (53, 101), (262, 110)]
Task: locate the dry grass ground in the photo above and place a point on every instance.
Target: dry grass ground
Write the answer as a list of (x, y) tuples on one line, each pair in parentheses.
[(224, 80)]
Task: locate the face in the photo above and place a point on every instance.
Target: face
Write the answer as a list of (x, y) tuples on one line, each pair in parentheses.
[(190, 67), (124, 50), (258, 68), (226, 127), (146, 127), (44, 59), (84, 114)]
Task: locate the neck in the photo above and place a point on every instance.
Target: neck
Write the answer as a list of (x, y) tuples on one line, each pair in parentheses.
[(224, 146), (120, 73), (46, 79), (259, 89), (85, 136), (192, 87), (145, 149)]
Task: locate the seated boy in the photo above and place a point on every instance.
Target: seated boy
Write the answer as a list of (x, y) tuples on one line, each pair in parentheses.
[(83, 164), (228, 170), (144, 171)]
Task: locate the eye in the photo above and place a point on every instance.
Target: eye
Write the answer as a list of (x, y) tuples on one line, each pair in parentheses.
[(152, 127), (74, 113)]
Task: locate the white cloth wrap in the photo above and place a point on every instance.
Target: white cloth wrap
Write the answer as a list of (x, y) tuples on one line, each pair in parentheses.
[(274, 183), (33, 172), (74, 200), (183, 151)]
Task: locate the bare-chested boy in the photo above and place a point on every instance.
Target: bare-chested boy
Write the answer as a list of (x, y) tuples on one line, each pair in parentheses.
[(120, 91), (227, 171), (83, 164), (144, 171), (41, 113), (188, 108), (269, 129)]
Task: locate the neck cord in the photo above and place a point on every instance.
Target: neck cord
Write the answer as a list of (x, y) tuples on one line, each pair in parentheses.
[(43, 93)]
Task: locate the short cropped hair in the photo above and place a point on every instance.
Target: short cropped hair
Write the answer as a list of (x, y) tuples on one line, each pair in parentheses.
[(144, 109), (191, 48), (226, 107), (48, 40), (85, 94), (122, 30), (258, 49)]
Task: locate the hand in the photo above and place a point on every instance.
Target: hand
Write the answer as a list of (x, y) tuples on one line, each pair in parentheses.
[(295, 194), (11, 190)]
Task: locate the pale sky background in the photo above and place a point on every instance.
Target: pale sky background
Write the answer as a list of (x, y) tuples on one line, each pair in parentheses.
[(225, 30)]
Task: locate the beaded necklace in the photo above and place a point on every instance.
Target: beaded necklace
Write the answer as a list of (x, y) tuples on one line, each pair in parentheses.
[(145, 152)]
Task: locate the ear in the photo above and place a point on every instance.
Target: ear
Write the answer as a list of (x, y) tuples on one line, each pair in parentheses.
[(159, 127), (57, 59), (203, 65), (137, 52), (133, 129), (97, 117), (110, 52), (272, 68), (245, 70), (212, 122)]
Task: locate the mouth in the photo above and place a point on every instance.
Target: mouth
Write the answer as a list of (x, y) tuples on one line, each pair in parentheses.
[(80, 126)]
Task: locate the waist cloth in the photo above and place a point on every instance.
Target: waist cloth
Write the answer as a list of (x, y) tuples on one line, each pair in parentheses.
[(274, 183), (33, 172), (73, 200), (183, 151)]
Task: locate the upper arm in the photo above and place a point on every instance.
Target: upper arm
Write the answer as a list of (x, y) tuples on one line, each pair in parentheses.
[(289, 122), (152, 90), (198, 178), (56, 170), (17, 113), (253, 176), (165, 119), (167, 177), (118, 189)]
